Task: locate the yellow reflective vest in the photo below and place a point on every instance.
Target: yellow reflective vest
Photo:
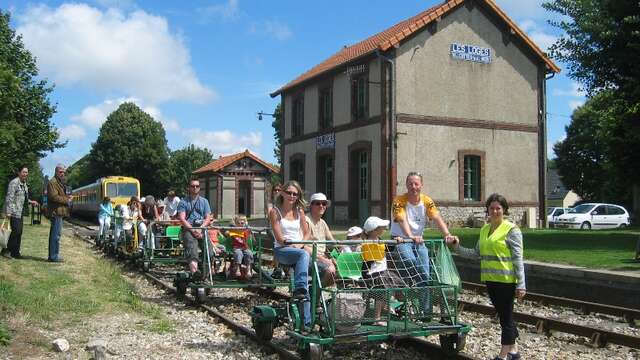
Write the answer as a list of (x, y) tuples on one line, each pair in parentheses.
[(496, 262)]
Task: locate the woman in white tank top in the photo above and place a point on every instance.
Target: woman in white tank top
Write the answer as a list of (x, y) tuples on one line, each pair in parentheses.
[(288, 222)]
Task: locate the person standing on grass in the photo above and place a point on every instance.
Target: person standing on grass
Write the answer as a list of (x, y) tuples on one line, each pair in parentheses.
[(59, 201), (501, 268), (104, 217), (17, 196), (194, 211)]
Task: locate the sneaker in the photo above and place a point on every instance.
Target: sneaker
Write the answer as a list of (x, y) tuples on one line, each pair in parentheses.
[(513, 356), (16, 256), (277, 273), (197, 276), (299, 294), (6, 254)]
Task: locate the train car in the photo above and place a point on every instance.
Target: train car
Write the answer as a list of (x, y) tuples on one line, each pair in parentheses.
[(87, 199)]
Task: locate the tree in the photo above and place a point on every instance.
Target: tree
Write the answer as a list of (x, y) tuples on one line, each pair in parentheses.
[(601, 43), (182, 163), (601, 47), (26, 132), (586, 162), (131, 143), (277, 133), (80, 174)]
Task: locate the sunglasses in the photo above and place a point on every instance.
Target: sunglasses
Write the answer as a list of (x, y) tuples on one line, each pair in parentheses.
[(319, 203), (291, 193), (195, 186)]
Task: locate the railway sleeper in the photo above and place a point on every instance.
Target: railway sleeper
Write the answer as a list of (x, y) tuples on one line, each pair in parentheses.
[(598, 340)]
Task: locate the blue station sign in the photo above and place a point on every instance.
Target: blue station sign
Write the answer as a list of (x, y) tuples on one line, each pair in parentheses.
[(473, 53)]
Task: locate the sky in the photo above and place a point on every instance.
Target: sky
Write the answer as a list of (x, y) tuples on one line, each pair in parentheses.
[(205, 68)]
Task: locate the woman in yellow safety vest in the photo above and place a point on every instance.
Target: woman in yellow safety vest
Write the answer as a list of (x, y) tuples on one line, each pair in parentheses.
[(501, 268)]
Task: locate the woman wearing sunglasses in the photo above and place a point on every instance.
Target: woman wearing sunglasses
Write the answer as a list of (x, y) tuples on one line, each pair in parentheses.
[(288, 222)]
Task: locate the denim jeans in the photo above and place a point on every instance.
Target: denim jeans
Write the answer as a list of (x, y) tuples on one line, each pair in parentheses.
[(288, 255), (415, 265), (54, 237), (105, 224)]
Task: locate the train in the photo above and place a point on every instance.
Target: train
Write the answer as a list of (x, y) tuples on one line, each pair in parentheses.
[(87, 199)]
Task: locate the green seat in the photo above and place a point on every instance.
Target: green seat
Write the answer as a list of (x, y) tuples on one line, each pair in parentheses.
[(173, 232), (350, 265)]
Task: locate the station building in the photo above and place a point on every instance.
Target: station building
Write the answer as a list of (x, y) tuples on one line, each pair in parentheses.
[(456, 92), (236, 184)]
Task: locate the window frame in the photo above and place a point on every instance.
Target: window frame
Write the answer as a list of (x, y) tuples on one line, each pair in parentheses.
[(325, 122), (481, 155), (297, 115), (355, 79)]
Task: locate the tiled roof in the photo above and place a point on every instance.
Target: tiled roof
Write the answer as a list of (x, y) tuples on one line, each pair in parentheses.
[(394, 35), (224, 161), (555, 187)]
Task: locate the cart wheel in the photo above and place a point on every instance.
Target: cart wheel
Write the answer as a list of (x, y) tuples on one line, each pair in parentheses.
[(145, 266), (313, 352), (264, 330), (200, 295), (452, 343)]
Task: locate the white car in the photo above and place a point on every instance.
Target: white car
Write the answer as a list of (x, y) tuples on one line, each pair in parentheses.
[(553, 213), (594, 216)]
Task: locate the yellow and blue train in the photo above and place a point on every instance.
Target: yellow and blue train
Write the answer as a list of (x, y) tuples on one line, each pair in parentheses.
[(87, 199)]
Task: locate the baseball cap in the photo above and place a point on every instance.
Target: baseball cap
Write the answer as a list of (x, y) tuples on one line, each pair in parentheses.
[(354, 231), (374, 222)]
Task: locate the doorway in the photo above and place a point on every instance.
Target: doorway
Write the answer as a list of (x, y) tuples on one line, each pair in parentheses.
[(359, 184), (326, 182), (244, 197)]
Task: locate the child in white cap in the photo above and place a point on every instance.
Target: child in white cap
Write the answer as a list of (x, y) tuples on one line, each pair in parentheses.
[(354, 233), (375, 272)]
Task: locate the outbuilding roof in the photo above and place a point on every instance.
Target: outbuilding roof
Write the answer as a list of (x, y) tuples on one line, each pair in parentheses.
[(224, 161), (394, 35)]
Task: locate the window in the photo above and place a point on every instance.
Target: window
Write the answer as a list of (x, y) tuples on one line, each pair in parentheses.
[(325, 112), (614, 210), (364, 178), (600, 210), (122, 190), (359, 97), (297, 117), (471, 185), (297, 171)]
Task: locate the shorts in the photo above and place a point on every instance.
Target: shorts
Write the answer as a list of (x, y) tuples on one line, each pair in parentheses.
[(386, 279), (192, 246)]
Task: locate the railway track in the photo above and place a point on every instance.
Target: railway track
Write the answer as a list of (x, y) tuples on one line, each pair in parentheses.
[(585, 307), (434, 350)]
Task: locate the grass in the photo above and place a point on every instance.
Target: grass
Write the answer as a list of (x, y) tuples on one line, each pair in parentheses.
[(603, 249), (53, 296)]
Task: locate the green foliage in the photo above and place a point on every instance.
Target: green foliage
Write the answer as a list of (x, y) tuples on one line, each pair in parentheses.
[(589, 158), (601, 42), (182, 163), (26, 133), (277, 133), (601, 48), (80, 173), (132, 143)]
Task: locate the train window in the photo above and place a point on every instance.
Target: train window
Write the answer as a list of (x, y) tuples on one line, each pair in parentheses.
[(122, 189)]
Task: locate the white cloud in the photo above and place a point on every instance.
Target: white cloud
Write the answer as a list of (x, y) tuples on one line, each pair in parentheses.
[(574, 91), (224, 141), (71, 132), (574, 104), (536, 32), (95, 115), (130, 53), (272, 28), (523, 8), (225, 11)]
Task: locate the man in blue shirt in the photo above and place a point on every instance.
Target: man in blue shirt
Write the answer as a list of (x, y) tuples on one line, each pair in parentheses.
[(193, 211)]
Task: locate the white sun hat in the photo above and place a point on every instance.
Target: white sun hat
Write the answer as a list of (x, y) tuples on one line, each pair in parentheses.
[(320, 197), (374, 222), (354, 231)]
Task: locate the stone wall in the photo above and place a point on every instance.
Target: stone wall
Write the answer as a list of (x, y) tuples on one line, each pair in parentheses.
[(456, 216)]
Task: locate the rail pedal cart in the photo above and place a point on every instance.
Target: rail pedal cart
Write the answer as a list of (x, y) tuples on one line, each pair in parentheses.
[(213, 272), (356, 309)]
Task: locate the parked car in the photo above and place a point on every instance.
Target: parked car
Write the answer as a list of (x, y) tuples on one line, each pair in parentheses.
[(553, 213), (594, 216)]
